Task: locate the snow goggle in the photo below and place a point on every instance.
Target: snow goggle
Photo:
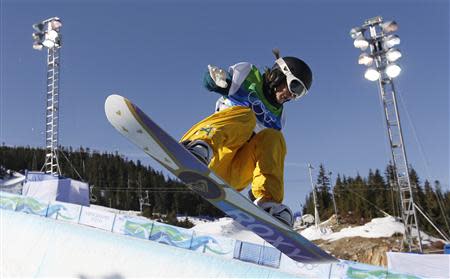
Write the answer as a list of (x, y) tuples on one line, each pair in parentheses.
[(295, 85)]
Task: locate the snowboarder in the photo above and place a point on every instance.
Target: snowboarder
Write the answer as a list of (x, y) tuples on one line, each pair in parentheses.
[(242, 141)]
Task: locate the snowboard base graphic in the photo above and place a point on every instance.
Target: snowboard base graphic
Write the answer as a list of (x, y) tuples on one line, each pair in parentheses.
[(136, 126)]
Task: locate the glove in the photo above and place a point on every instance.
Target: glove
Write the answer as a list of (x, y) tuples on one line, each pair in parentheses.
[(219, 76)]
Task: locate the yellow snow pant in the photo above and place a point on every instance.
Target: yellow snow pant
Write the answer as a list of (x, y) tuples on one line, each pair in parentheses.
[(240, 156)]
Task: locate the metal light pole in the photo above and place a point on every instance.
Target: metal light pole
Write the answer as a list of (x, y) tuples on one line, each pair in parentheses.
[(377, 36), (334, 201), (316, 211), (48, 36)]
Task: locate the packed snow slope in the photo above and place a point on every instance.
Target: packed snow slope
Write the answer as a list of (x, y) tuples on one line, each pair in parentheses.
[(33, 246), (377, 227)]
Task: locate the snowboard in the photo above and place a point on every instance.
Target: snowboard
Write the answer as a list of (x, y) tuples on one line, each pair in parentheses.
[(140, 129)]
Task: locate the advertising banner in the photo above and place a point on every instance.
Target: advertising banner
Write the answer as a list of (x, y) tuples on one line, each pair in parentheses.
[(171, 235), (9, 201), (133, 226), (64, 211), (32, 206), (214, 245), (97, 218), (428, 266)]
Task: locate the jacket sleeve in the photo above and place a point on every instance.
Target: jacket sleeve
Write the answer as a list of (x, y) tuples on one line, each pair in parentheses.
[(210, 85)]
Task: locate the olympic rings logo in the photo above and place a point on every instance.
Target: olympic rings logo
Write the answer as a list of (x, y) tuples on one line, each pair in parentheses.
[(259, 109), (306, 266)]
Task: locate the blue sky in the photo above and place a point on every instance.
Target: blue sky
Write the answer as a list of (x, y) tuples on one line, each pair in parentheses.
[(155, 53)]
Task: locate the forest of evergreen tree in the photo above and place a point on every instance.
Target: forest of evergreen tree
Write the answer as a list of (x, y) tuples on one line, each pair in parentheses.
[(121, 183), (115, 181), (360, 199)]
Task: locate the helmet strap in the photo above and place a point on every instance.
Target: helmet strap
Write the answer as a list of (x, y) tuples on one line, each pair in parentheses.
[(269, 88)]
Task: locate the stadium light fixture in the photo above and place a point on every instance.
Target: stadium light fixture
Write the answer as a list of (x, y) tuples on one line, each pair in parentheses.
[(51, 35), (37, 46), (361, 43), (376, 41), (391, 41), (55, 24), (356, 32), (393, 70), (365, 59), (48, 43), (39, 27), (37, 36), (372, 74), (393, 55), (47, 34), (389, 26), (51, 39)]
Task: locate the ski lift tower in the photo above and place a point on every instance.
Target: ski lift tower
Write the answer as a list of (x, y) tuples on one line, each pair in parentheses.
[(48, 36), (376, 36)]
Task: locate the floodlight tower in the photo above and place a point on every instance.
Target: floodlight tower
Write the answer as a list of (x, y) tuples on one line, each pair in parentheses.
[(376, 36), (48, 36)]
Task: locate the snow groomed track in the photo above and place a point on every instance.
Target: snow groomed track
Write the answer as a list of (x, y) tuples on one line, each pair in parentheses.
[(39, 247), (75, 241)]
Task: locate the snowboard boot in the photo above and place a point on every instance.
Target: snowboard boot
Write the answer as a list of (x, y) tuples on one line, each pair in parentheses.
[(200, 149), (277, 210)]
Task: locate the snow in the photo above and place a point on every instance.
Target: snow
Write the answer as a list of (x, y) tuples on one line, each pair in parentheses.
[(34, 246), (116, 211), (227, 227), (378, 227)]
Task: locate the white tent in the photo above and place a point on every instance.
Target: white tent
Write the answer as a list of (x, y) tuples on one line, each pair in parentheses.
[(47, 187)]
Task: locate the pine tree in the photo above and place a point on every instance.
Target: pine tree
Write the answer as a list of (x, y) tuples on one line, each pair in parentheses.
[(378, 193), (417, 190), (429, 200), (391, 181), (358, 192), (442, 208), (308, 207), (339, 196), (324, 199)]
